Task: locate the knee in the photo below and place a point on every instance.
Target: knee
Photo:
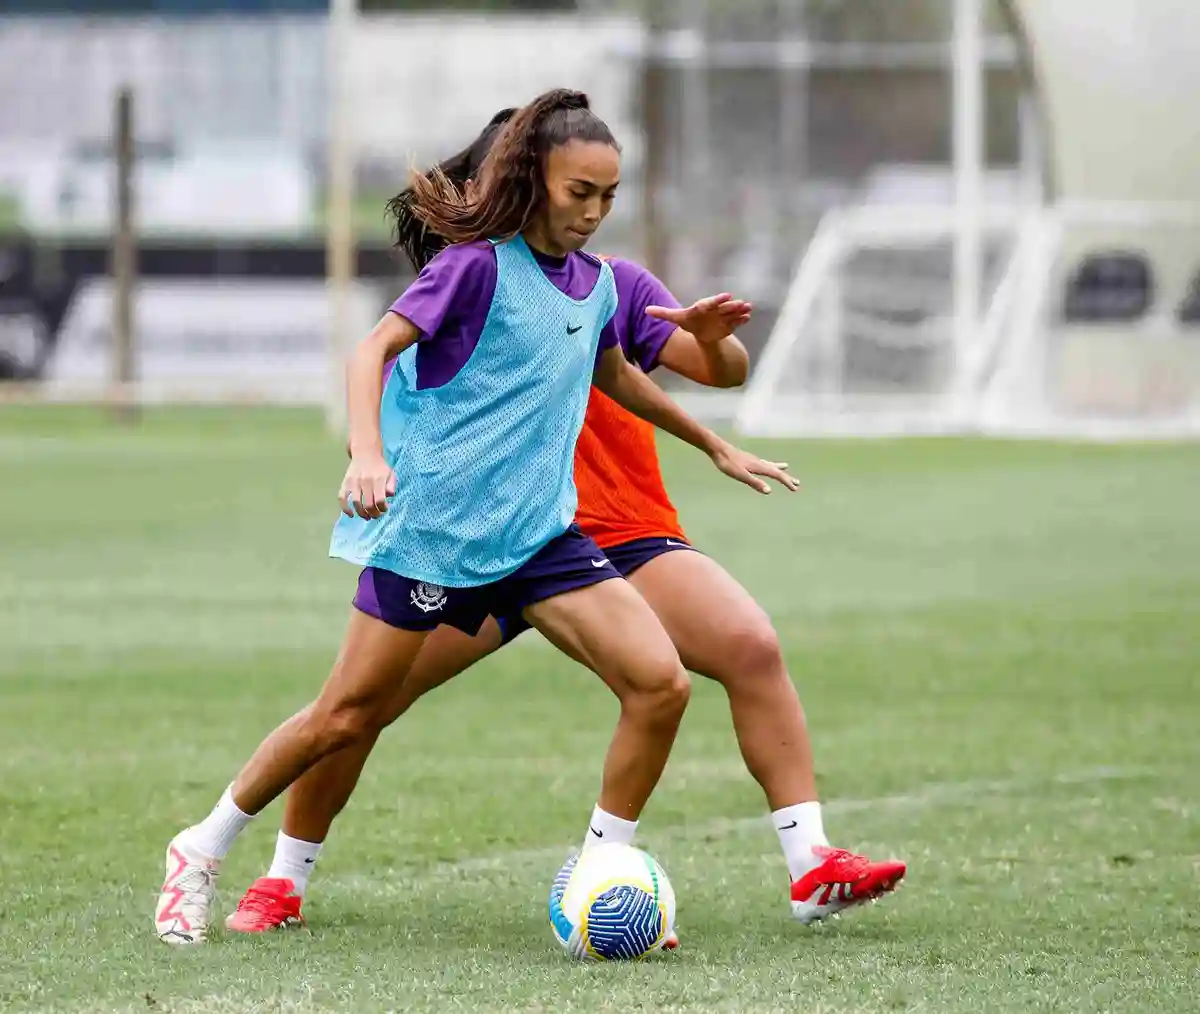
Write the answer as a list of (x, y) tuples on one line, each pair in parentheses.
[(342, 724), (752, 653), (662, 694)]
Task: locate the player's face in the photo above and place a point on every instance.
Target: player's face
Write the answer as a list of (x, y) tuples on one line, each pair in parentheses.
[(581, 183)]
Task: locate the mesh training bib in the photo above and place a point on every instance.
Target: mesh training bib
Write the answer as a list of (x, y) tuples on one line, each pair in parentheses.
[(484, 463)]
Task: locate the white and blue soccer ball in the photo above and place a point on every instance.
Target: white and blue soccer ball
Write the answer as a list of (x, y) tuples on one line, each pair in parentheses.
[(612, 903)]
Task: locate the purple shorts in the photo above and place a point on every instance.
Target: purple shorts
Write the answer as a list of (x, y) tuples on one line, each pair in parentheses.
[(570, 561), (626, 558)]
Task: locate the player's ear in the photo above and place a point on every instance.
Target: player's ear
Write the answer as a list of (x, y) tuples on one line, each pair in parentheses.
[(469, 188)]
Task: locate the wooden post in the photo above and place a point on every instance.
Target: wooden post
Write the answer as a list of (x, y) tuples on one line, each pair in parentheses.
[(123, 263), (341, 251)]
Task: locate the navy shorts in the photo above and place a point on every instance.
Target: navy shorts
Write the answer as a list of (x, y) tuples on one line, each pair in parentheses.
[(570, 561), (626, 558)]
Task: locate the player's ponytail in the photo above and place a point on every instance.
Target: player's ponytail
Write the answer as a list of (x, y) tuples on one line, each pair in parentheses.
[(411, 236), (510, 184)]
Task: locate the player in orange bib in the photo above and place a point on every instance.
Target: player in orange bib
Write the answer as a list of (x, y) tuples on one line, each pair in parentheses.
[(718, 629)]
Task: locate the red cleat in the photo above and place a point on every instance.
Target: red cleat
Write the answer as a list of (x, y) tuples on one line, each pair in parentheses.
[(841, 881), (268, 904)]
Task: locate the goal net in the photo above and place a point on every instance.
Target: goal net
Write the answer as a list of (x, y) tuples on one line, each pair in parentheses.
[(866, 340), (1104, 341), (1088, 326)]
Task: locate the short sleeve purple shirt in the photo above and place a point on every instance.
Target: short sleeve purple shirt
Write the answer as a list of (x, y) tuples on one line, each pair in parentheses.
[(450, 300), (642, 337)]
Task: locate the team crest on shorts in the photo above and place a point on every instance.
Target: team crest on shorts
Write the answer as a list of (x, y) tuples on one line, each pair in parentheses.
[(429, 598)]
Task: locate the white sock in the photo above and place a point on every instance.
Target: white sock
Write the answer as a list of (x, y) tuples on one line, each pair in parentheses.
[(800, 829), (215, 834), (605, 829), (294, 860)]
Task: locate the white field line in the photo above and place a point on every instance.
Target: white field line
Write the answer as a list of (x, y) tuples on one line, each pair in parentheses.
[(240, 1003), (933, 795)]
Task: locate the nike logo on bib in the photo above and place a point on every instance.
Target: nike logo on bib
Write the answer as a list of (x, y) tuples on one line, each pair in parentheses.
[(574, 330)]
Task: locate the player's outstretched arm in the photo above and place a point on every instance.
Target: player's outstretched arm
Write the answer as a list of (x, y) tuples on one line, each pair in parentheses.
[(369, 480), (703, 347), (634, 391)]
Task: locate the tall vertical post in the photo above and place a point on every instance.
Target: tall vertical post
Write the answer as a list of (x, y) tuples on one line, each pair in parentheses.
[(340, 249), (793, 121), (968, 77), (697, 137), (655, 81), (123, 261)]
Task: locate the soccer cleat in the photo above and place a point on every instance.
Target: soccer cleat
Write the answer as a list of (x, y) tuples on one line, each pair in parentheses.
[(268, 904), (842, 880), (186, 902)]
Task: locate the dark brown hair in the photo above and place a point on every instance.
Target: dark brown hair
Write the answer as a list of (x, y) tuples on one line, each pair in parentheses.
[(412, 237), (510, 176)]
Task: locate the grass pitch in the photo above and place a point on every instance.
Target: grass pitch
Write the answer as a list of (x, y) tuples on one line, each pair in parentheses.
[(998, 646)]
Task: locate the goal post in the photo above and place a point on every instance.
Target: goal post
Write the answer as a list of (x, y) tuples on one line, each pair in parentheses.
[(995, 309), (867, 343), (869, 339), (1069, 370)]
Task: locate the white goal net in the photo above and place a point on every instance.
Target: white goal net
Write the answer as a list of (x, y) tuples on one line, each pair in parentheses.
[(1088, 326)]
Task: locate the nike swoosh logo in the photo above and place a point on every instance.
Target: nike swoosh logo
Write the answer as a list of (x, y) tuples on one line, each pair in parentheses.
[(598, 834), (574, 330), (310, 860), (599, 563), (682, 545), (788, 827)]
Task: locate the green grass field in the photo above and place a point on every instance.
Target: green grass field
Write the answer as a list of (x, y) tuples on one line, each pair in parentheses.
[(998, 646)]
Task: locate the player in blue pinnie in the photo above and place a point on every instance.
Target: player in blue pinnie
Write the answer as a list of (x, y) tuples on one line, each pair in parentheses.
[(459, 498)]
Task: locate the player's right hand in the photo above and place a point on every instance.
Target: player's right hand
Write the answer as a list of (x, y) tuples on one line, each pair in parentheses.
[(369, 482)]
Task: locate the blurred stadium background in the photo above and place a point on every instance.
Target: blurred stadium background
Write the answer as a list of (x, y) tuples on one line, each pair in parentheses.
[(941, 228), (957, 217)]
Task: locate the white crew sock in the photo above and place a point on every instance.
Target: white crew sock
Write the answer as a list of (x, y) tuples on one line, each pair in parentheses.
[(800, 829), (294, 860), (215, 834), (605, 829)]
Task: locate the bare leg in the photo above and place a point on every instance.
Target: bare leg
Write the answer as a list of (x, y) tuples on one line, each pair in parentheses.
[(722, 633), (610, 627), (374, 659), (320, 794)]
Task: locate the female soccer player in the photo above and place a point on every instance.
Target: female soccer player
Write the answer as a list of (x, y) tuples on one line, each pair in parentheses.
[(459, 496), (716, 626)]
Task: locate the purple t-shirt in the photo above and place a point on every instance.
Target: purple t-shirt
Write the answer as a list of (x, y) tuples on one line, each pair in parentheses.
[(642, 338), (450, 300)]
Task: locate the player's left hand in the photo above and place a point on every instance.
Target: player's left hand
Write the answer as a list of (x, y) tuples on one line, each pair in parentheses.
[(749, 468), (707, 320)]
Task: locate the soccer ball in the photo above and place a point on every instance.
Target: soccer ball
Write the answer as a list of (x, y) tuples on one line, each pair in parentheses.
[(611, 903)]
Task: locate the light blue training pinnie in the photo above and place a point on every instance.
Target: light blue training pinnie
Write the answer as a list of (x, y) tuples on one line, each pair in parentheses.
[(485, 463)]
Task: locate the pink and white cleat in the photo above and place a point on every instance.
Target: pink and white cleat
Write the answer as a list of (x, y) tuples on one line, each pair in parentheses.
[(841, 881), (189, 892)]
